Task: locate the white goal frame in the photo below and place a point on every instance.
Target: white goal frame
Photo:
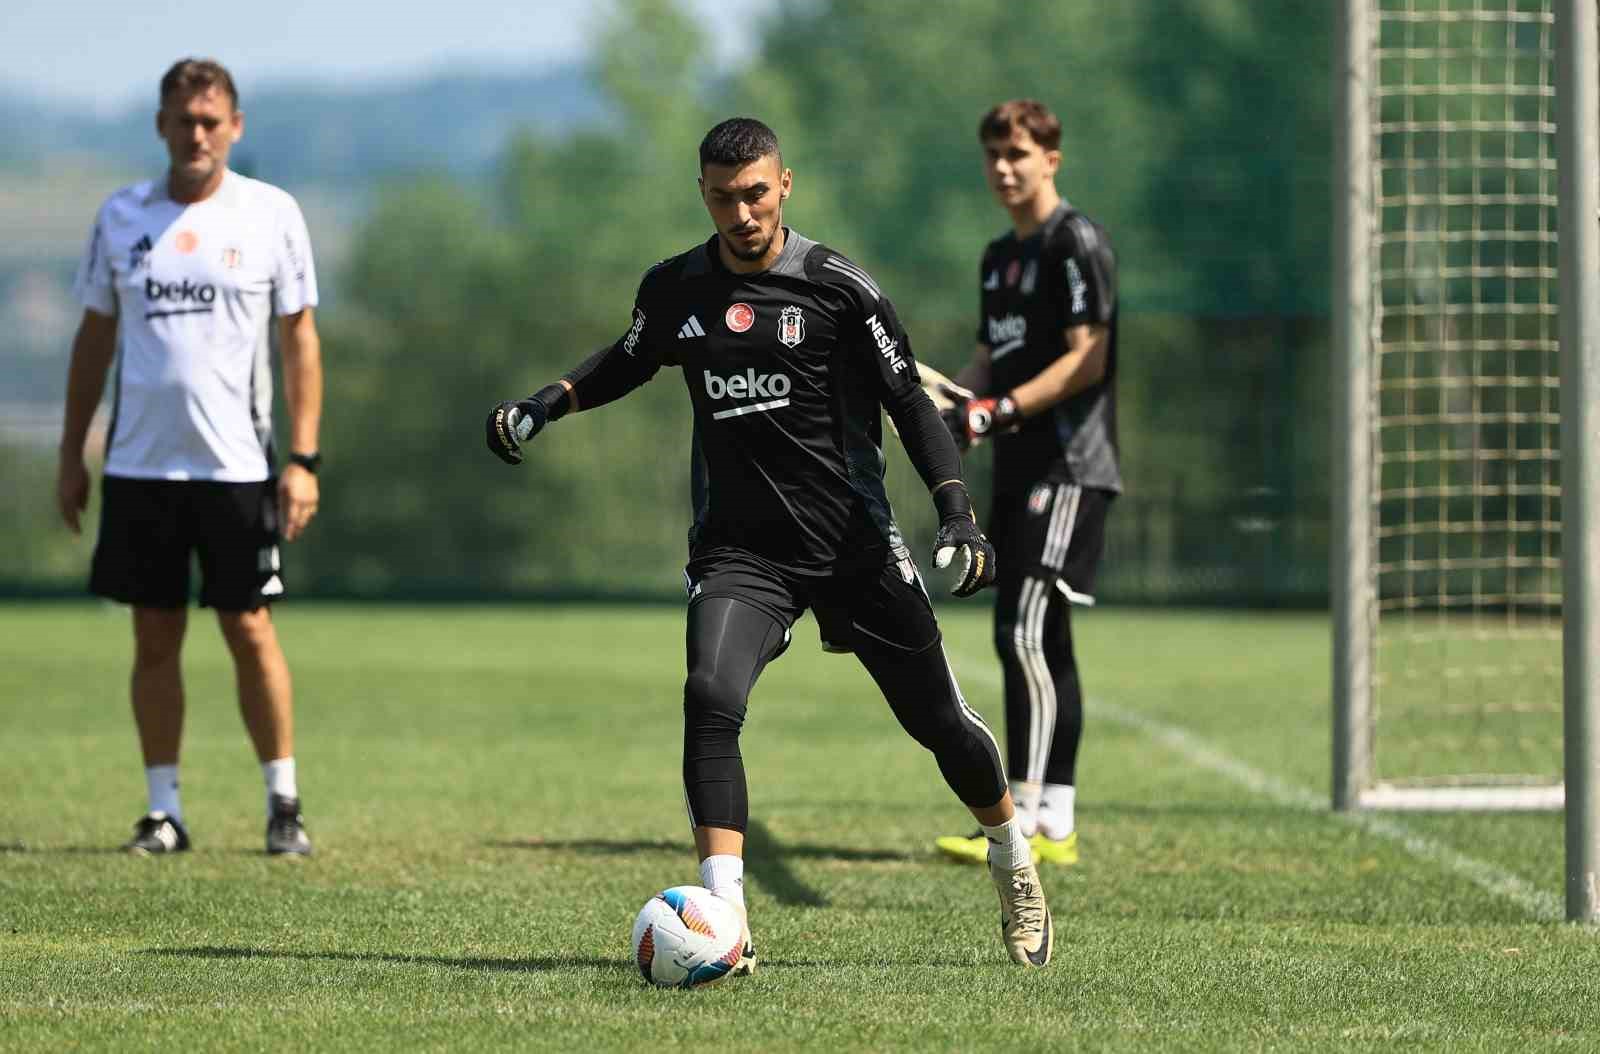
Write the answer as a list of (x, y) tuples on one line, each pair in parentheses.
[(1354, 535)]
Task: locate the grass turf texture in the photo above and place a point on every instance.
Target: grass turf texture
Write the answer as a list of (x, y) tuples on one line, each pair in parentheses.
[(494, 793)]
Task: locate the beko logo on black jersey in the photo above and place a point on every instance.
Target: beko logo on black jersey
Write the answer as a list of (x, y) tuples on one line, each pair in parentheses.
[(888, 347), (186, 298), (771, 388), (1011, 327), (746, 385)]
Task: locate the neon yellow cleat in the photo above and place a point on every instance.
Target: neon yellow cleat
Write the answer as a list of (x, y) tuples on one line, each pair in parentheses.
[(974, 849), (1063, 851)]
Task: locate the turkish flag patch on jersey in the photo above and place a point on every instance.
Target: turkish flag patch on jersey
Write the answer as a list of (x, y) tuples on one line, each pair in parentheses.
[(740, 317)]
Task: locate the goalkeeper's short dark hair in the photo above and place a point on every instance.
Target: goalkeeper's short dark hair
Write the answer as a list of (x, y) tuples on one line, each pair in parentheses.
[(1032, 116), (739, 141)]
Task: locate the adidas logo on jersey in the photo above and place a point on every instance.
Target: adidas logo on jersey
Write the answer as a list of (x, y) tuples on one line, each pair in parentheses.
[(993, 281), (691, 328)]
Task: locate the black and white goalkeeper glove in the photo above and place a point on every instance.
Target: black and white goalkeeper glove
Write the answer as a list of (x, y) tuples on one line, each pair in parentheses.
[(514, 422), (958, 533)]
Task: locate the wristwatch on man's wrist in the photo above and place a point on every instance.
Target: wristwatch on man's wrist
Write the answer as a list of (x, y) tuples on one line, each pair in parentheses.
[(310, 462)]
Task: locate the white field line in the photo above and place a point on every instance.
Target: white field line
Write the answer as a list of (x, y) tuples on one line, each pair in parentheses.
[(1542, 905)]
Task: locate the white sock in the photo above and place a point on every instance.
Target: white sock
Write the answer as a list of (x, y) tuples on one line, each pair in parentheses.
[(1025, 798), (1056, 819), (1008, 846), (280, 779), (723, 874), (161, 783)]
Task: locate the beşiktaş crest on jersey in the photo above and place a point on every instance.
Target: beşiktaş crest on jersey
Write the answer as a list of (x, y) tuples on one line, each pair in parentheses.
[(791, 327)]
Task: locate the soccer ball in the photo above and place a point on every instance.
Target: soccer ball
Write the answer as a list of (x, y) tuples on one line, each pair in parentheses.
[(687, 936)]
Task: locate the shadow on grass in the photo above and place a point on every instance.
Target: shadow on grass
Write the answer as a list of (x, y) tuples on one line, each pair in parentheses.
[(63, 850), (767, 857), (534, 964)]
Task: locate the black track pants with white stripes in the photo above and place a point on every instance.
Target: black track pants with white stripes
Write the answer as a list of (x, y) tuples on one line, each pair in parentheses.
[(1044, 700), (729, 643)]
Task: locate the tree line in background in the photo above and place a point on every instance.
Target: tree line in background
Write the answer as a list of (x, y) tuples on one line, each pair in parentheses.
[(1198, 134)]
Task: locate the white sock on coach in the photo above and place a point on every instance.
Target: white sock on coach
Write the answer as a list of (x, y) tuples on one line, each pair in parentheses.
[(723, 874), (280, 779), (161, 783), (1056, 819), (1025, 799), (1008, 846)]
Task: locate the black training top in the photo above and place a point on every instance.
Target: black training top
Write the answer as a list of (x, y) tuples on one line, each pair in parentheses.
[(788, 370), (1033, 289)]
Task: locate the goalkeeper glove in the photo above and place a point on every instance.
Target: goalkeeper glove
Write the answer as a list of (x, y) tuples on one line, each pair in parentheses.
[(989, 416), (514, 422), (958, 531)]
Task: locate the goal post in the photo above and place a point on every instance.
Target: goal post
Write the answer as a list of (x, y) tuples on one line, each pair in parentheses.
[(1578, 138), (1465, 426)]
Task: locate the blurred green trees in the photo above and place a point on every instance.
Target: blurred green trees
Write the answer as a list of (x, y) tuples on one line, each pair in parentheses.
[(1197, 133)]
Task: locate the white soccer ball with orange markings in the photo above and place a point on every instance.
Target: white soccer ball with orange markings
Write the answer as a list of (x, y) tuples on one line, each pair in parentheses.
[(687, 936)]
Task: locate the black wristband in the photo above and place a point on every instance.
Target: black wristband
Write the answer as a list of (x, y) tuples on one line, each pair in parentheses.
[(952, 500), (309, 462), (555, 399)]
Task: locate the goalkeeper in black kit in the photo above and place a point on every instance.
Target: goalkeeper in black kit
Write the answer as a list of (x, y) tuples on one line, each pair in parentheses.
[(1041, 387), (790, 353)]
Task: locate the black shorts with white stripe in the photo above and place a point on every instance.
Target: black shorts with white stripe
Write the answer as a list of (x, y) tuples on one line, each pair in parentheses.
[(1052, 531)]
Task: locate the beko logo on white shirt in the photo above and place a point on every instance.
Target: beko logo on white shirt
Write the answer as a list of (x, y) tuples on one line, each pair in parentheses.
[(747, 385), (184, 292)]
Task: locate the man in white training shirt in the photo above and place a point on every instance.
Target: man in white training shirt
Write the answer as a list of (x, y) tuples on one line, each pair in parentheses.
[(178, 282)]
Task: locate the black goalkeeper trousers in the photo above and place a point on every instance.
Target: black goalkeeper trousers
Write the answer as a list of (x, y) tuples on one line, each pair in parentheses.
[(734, 631)]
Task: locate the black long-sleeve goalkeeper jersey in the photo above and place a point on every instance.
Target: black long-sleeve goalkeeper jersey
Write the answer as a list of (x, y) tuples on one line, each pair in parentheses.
[(787, 370), (1033, 289)]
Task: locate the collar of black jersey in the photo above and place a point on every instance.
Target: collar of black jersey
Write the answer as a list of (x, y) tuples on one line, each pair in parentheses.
[(1057, 214), (792, 261)]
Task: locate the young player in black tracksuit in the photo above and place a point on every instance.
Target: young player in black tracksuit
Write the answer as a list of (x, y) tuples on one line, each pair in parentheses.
[(1044, 374), (790, 353)]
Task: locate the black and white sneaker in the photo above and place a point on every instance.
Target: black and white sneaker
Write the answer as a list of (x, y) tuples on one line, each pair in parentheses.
[(286, 830), (157, 832)]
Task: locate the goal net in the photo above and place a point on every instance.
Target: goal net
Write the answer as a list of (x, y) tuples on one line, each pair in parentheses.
[(1464, 605)]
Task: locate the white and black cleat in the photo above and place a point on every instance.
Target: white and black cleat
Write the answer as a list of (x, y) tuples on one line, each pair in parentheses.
[(157, 833), (286, 828), (1025, 923), (747, 959)]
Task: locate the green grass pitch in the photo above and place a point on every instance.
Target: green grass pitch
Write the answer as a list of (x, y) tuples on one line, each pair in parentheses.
[(494, 792)]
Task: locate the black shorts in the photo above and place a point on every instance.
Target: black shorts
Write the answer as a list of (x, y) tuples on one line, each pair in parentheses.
[(148, 528), (1054, 530), (880, 606)]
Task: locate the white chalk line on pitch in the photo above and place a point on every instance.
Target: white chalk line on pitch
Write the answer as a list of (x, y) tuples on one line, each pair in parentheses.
[(1542, 905)]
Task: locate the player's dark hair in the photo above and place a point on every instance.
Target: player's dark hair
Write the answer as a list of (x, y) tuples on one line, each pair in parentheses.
[(1033, 117), (739, 141), (191, 76)]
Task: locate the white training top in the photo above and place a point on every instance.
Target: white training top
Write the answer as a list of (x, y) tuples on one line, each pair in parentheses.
[(193, 288)]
